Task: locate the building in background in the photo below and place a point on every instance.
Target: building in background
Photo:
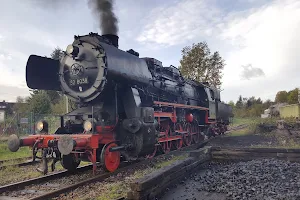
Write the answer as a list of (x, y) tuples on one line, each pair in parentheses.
[(273, 111), (5, 108)]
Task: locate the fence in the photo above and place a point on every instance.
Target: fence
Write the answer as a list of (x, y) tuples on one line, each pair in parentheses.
[(25, 123)]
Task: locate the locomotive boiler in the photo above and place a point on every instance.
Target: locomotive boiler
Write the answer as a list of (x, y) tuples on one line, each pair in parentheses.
[(128, 107)]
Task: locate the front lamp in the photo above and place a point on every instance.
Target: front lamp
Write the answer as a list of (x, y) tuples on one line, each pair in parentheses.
[(87, 126), (73, 50), (42, 126)]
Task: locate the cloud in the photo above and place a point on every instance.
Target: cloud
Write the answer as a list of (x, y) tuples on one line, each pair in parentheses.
[(266, 37), (35, 30), (250, 72), (9, 93), (263, 33), (180, 22)]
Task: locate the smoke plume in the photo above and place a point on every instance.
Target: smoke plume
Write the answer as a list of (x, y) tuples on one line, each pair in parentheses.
[(104, 10), (251, 72)]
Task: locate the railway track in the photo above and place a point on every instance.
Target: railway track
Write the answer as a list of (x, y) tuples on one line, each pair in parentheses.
[(14, 160), (53, 185), (21, 187), (239, 127)]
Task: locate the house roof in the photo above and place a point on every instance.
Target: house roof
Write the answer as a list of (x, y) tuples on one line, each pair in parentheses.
[(4, 104)]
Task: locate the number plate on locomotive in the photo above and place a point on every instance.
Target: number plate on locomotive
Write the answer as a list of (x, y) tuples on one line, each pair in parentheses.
[(80, 81)]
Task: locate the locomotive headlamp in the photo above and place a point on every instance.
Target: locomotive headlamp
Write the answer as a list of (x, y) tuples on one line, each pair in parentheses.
[(87, 125), (72, 50), (42, 126)]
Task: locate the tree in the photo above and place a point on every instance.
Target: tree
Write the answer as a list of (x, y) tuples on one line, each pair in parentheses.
[(292, 97), (60, 107), (54, 96), (198, 64), (57, 53), (258, 101), (21, 105), (249, 102), (255, 110), (40, 103), (267, 104), (239, 103), (231, 103), (281, 97)]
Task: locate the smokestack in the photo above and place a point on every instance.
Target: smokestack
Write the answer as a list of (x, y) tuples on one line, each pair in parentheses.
[(104, 10), (113, 38)]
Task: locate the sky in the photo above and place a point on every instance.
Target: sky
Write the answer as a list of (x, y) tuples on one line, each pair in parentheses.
[(258, 39)]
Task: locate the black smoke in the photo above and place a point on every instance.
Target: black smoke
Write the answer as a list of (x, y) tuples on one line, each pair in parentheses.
[(104, 11)]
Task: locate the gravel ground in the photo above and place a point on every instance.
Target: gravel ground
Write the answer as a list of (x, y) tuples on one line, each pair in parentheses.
[(257, 179)]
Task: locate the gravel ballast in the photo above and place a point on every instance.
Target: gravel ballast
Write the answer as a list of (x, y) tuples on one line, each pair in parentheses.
[(257, 179)]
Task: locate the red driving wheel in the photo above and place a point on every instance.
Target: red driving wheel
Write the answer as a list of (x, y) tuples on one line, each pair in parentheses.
[(110, 160)]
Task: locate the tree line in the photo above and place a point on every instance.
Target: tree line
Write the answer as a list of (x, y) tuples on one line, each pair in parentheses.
[(290, 97), (254, 107), (249, 107)]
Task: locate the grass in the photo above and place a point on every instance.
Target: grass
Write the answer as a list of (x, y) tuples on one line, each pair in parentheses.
[(250, 122), (5, 153), (251, 125), (240, 121), (240, 132), (13, 174), (119, 189)]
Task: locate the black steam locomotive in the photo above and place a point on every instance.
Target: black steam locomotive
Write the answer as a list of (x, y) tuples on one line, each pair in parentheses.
[(128, 106)]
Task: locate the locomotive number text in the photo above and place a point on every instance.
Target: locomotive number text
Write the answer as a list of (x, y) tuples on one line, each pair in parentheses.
[(80, 81)]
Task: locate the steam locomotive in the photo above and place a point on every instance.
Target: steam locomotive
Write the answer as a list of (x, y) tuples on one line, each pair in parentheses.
[(129, 107)]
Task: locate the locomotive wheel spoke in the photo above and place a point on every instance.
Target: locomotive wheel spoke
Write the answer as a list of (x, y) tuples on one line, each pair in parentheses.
[(187, 138), (110, 160), (178, 127), (177, 144), (166, 146)]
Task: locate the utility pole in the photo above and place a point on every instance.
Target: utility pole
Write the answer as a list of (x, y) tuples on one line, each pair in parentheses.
[(67, 104), (299, 95)]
